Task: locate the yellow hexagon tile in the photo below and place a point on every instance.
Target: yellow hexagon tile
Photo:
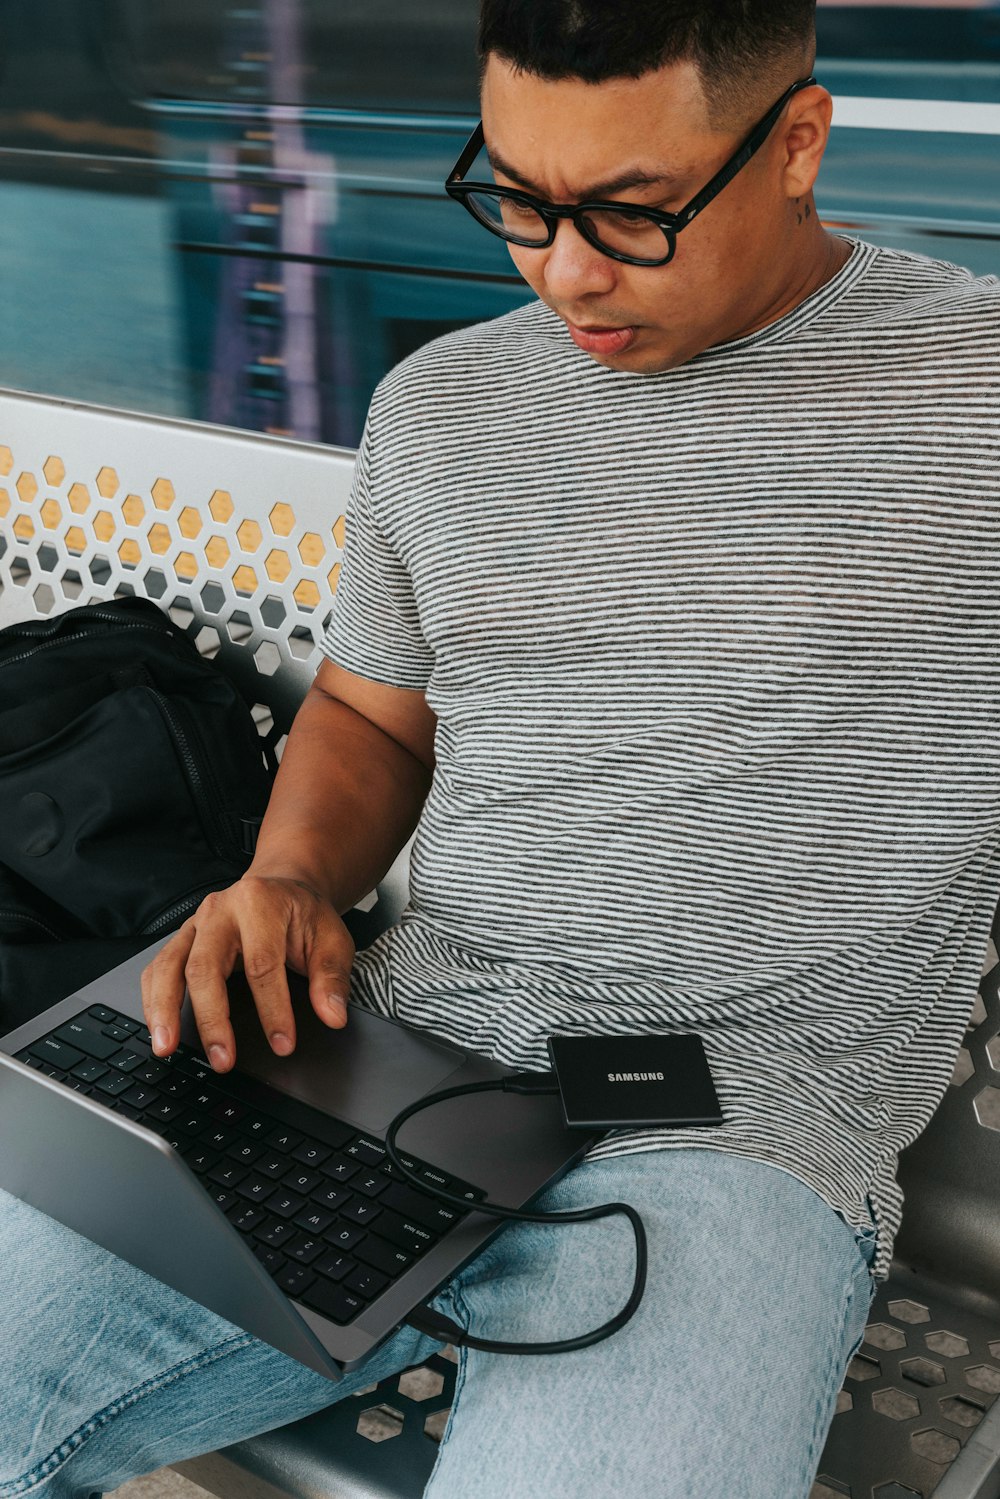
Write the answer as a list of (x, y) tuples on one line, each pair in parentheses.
[(159, 538), (24, 528), (221, 506), (312, 550), (6, 461), (338, 533), (4, 502), (282, 518), (51, 513), (79, 498), (107, 483), (245, 579), (249, 535), (54, 470), (27, 488), (130, 552), (277, 566), (189, 522), (104, 525), (75, 540), (163, 494), (133, 510), (333, 577), (306, 594), (216, 551), (185, 565)]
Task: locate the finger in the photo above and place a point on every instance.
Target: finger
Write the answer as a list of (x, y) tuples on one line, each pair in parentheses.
[(162, 985), (329, 958), (210, 961), (265, 949)]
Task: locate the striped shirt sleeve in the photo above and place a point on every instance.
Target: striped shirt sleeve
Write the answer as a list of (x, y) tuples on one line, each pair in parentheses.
[(375, 629)]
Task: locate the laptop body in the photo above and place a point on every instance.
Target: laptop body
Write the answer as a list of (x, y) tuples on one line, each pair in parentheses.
[(86, 1158)]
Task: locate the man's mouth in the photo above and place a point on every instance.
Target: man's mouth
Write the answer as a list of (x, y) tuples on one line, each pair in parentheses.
[(598, 340)]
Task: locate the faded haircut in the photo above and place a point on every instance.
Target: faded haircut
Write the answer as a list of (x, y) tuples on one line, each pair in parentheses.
[(746, 51)]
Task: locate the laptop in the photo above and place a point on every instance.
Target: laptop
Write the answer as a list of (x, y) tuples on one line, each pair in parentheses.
[(265, 1194)]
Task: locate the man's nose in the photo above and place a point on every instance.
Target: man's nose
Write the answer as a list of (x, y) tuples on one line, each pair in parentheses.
[(575, 268)]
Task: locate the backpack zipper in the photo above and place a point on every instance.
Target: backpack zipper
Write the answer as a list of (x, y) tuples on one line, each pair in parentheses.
[(24, 920), (54, 640), (207, 803), (173, 913)]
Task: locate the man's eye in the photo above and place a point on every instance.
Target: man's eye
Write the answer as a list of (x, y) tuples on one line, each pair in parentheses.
[(511, 208)]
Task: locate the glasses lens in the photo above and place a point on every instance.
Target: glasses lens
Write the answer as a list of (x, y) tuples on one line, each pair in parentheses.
[(509, 217), (630, 234)]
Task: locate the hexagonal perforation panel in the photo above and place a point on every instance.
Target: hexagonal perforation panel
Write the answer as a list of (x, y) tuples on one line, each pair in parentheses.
[(239, 537), (922, 1381)]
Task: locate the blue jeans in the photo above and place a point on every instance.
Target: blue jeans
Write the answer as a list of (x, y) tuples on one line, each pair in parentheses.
[(724, 1383)]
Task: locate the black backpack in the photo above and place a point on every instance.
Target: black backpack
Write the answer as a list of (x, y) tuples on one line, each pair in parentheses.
[(132, 782)]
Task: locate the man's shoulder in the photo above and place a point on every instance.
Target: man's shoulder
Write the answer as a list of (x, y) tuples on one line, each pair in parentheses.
[(904, 290)]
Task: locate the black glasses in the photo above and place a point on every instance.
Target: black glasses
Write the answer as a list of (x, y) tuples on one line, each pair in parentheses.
[(626, 231)]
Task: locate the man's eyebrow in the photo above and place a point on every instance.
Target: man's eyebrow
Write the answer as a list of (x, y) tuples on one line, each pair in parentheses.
[(597, 190)]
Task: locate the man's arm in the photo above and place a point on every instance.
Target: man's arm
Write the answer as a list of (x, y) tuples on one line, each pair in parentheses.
[(354, 775)]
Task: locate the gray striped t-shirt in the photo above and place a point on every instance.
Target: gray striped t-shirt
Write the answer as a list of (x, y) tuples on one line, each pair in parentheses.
[(716, 664)]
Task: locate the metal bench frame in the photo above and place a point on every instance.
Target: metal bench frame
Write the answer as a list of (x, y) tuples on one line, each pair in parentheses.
[(239, 538)]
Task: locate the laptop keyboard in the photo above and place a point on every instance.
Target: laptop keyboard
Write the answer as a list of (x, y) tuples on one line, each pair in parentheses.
[(326, 1212)]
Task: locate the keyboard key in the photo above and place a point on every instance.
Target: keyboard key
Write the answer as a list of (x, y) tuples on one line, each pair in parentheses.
[(151, 1072), (125, 1023), (333, 1302), (219, 1137), (334, 1265), (309, 1154), (370, 1183), (304, 1249), (53, 1052), (228, 1111), (256, 1127), (88, 1071), (196, 1068), (385, 1257), (284, 1139), (245, 1151), (89, 1040), (294, 1280), (126, 1061), (302, 1181), (114, 1083), (434, 1178), (198, 1159), (286, 1204), (404, 1233), (275, 1233), (227, 1174), (256, 1188), (116, 1032), (368, 1152), (190, 1123), (176, 1085), (271, 1259), (344, 1236), (164, 1110), (313, 1220), (139, 1096), (361, 1210), (340, 1168), (246, 1217), (224, 1199), (103, 1014), (273, 1165), (424, 1210), (366, 1283), (329, 1196)]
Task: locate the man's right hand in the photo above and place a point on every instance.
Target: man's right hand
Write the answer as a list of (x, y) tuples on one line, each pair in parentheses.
[(263, 923)]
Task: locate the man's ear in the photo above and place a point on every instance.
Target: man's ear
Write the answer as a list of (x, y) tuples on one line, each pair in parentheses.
[(804, 136)]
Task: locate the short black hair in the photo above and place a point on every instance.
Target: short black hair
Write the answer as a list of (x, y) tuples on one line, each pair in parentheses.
[(739, 46)]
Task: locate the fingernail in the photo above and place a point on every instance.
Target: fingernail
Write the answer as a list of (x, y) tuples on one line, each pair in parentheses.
[(336, 1007), (218, 1056), (161, 1037), (281, 1043)]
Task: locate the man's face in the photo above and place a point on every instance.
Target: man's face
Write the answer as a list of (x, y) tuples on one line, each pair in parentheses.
[(650, 140)]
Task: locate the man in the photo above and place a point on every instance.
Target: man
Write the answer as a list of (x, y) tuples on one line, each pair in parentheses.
[(669, 610)]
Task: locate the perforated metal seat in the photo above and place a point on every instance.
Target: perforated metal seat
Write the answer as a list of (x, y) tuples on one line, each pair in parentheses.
[(239, 538)]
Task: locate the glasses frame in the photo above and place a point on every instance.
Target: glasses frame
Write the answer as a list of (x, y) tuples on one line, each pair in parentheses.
[(550, 213)]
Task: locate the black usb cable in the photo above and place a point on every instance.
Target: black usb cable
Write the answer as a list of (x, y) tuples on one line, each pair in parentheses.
[(424, 1318)]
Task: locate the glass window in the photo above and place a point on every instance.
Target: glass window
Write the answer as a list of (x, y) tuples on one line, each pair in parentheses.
[(910, 30)]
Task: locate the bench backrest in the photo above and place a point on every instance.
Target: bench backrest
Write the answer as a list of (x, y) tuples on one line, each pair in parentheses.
[(239, 537)]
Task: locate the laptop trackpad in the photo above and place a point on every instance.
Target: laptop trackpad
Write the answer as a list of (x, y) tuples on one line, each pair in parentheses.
[(363, 1074)]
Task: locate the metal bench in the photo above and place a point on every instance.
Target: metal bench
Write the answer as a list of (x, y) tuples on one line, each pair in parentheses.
[(239, 538)]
